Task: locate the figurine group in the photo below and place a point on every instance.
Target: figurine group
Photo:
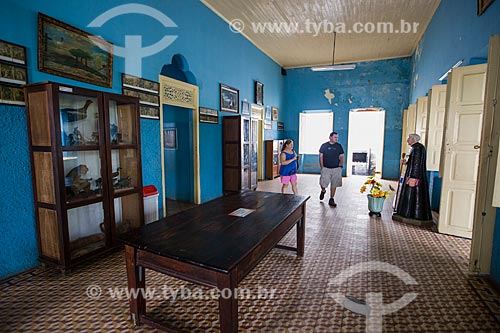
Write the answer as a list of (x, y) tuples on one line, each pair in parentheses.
[(71, 115), (78, 186)]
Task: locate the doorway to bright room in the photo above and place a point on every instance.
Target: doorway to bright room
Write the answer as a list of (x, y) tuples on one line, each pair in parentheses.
[(365, 149)]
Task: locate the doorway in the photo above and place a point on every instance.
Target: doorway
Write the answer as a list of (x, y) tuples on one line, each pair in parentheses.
[(365, 148), (178, 157)]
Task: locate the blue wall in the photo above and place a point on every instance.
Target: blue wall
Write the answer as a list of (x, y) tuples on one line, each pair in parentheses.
[(215, 55), (382, 83), (17, 213), (455, 33)]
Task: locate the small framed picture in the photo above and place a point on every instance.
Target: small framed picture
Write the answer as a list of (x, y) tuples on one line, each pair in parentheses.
[(268, 113), (229, 99), (145, 98), (170, 138), (10, 73), (268, 125), (11, 95), (274, 110), (259, 93), (281, 126), (150, 112), (209, 115), (137, 83), (12, 53), (245, 108)]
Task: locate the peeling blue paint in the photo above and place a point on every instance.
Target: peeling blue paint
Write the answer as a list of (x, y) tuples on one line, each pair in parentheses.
[(379, 83)]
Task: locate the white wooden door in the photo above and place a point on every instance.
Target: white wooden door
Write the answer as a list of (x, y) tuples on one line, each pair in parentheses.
[(411, 117), (461, 152), (421, 120), (404, 135), (437, 107)]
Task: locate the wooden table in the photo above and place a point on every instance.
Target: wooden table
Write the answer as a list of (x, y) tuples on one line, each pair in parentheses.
[(207, 246)]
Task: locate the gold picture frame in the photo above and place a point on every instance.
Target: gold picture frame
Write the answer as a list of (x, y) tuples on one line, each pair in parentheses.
[(482, 5), (67, 51)]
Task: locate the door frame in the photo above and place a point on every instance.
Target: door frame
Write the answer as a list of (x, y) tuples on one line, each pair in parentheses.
[(352, 132), (257, 112), (168, 84), (484, 212)]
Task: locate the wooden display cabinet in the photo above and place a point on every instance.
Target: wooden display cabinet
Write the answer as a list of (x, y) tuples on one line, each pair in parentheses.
[(86, 166), (273, 151), (239, 158)]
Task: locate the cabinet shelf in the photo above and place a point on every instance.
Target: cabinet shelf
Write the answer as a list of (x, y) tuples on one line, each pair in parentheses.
[(124, 191), (77, 202), (81, 148), (119, 146), (83, 143)]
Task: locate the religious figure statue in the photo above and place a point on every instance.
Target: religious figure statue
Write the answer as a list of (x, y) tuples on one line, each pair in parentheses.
[(414, 202)]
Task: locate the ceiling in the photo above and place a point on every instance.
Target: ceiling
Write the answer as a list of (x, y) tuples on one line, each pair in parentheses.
[(315, 21)]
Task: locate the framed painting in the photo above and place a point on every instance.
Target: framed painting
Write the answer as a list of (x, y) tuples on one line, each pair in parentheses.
[(482, 5), (209, 115), (281, 126), (170, 138), (259, 93), (229, 99), (67, 51), (274, 111), (245, 108)]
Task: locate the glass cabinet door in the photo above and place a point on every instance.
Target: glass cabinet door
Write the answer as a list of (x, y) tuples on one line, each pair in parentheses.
[(86, 229), (82, 175), (79, 118), (122, 123), (125, 167)]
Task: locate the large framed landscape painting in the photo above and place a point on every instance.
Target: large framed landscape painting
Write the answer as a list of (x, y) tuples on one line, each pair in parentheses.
[(73, 53)]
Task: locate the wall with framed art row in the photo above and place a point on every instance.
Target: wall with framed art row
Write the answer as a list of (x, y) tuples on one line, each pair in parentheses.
[(50, 52)]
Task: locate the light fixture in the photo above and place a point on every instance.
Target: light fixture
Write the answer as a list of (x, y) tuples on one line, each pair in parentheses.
[(445, 75), (333, 67)]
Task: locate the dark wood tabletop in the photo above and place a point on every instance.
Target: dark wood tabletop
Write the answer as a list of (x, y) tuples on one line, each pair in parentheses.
[(207, 236)]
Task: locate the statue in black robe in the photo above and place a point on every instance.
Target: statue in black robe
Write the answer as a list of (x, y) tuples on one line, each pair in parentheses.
[(414, 200)]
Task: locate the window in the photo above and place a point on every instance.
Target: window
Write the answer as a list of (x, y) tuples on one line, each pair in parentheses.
[(315, 127)]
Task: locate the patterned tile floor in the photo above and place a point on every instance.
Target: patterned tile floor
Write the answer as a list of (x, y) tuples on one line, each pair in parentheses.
[(447, 299)]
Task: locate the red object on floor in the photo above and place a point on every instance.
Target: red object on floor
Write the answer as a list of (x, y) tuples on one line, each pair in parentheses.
[(149, 190)]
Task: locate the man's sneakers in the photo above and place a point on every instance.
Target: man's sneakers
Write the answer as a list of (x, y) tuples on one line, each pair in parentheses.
[(322, 195), (332, 203)]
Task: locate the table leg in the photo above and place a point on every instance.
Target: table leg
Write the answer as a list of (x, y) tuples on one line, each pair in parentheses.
[(301, 233), (136, 281), (228, 306)]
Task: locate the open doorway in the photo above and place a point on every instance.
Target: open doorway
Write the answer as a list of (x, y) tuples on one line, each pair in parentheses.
[(178, 158), (365, 147)]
